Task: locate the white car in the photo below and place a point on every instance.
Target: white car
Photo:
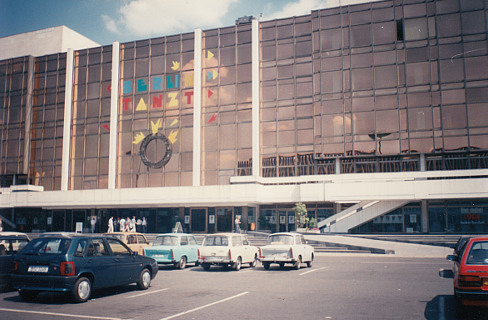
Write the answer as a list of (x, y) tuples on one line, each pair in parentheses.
[(286, 247), (227, 250)]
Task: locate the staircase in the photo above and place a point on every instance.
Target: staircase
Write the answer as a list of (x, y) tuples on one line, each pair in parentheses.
[(358, 214)]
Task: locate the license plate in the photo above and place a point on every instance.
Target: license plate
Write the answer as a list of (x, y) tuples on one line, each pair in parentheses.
[(41, 269)]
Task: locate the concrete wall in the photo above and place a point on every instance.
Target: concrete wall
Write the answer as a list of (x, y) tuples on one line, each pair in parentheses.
[(409, 186), (43, 42)]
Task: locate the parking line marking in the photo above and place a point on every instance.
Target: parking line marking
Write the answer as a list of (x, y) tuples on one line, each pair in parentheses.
[(301, 274), (149, 292), (205, 306), (59, 314)]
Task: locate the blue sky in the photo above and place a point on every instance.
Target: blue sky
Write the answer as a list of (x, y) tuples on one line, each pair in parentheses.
[(106, 21)]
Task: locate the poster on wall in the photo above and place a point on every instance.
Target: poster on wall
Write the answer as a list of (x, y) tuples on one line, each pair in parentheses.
[(211, 219), (282, 219), (187, 219)]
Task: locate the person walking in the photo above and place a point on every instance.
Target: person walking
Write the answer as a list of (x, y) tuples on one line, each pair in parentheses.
[(144, 225), (127, 224), (122, 224), (110, 225), (93, 222), (133, 224), (237, 225)]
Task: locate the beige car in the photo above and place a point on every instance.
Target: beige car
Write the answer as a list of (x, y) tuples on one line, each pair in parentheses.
[(134, 240), (227, 250)]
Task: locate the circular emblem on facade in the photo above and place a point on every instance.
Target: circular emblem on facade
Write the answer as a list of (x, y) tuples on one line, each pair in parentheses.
[(143, 151)]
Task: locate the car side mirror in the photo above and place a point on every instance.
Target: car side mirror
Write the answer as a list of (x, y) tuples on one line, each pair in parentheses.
[(446, 273), (451, 257), (246, 243)]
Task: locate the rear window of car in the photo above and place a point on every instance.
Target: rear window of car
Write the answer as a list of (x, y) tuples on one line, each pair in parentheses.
[(166, 241), (11, 246), (280, 239), (220, 241), (478, 254), (47, 246)]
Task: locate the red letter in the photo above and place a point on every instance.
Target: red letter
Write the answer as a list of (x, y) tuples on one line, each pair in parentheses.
[(125, 102), (157, 101), (188, 95)]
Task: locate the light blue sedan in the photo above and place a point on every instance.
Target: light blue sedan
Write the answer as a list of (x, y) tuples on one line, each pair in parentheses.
[(177, 249)]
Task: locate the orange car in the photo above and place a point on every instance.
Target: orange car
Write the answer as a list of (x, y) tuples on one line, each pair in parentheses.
[(470, 271)]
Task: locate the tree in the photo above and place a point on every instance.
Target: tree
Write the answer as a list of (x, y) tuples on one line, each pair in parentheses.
[(301, 215)]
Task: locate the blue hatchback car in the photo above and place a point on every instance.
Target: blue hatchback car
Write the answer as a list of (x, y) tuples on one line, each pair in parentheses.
[(177, 249), (79, 264)]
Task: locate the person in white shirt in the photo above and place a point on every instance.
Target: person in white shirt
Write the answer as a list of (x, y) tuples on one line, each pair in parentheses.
[(110, 225)]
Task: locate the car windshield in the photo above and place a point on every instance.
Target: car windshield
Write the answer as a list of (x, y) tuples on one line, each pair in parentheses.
[(166, 241), (42, 246), (280, 239), (221, 241), (478, 253)]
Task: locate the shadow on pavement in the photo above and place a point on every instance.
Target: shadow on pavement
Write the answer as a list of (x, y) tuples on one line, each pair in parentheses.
[(444, 307)]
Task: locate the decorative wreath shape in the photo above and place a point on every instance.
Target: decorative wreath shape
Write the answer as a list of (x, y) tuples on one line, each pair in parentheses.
[(167, 156)]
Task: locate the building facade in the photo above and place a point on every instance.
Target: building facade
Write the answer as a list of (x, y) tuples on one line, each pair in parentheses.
[(373, 115)]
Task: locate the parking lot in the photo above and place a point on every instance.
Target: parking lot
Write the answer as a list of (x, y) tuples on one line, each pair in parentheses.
[(336, 287)]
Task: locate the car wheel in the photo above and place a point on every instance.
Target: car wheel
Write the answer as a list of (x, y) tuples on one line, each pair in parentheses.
[(144, 279), (182, 263), (28, 295), (82, 290), (237, 264), (206, 266), (309, 263), (266, 265), (298, 263), (254, 263)]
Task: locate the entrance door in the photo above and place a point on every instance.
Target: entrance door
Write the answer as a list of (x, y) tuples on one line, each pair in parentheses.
[(80, 216), (224, 219), (58, 221), (198, 220), (287, 221)]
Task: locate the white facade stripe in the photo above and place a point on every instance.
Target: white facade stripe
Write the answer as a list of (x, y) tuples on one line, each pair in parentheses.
[(197, 108), (68, 95), (114, 115)]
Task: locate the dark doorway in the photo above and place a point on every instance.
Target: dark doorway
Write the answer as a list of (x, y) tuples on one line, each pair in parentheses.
[(198, 218), (224, 219)]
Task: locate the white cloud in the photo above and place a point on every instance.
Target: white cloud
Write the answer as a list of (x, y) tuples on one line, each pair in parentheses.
[(302, 7), (297, 8), (164, 17)]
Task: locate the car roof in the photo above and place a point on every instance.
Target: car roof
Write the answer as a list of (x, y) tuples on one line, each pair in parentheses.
[(174, 234), (479, 238), (285, 234), (13, 234), (54, 234), (227, 234), (122, 233)]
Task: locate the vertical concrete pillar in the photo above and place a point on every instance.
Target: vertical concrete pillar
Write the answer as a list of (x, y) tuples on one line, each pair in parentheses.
[(424, 216), (197, 109), (337, 207), (114, 115), (337, 163), (28, 116), (256, 161), (68, 97)]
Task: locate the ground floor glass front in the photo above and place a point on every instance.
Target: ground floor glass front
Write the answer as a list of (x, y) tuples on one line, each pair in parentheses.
[(450, 216)]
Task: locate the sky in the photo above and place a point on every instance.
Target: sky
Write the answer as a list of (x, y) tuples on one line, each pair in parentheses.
[(106, 21)]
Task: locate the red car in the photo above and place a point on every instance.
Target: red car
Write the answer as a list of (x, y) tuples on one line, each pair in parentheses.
[(470, 271)]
